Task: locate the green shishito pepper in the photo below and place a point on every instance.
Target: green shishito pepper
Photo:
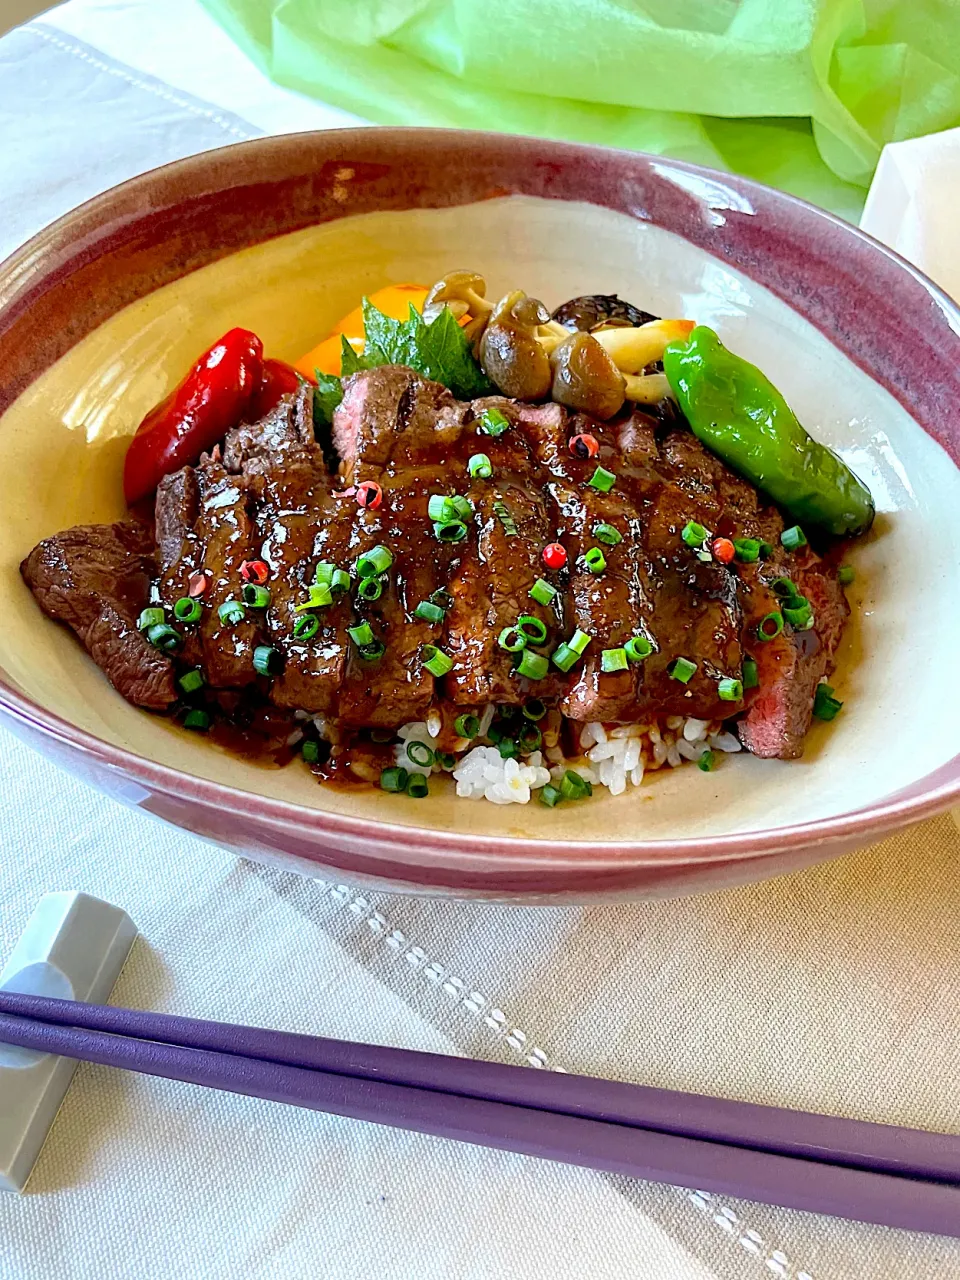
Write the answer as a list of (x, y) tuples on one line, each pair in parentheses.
[(737, 412)]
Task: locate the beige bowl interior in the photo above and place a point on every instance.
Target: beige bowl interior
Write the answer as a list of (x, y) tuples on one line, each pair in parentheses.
[(65, 439)]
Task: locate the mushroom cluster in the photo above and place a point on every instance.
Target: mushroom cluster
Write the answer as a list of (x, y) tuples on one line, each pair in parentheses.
[(592, 354)]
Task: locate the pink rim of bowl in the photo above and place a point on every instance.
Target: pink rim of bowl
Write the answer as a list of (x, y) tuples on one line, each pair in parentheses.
[(880, 311)]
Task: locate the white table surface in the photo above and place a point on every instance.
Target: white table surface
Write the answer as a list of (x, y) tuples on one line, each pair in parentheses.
[(822, 990)]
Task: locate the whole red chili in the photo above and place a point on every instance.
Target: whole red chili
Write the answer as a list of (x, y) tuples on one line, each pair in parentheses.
[(254, 571), (279, 379), (209, 401), (584, 446), (369, 494), (554, 556), (723, 549)]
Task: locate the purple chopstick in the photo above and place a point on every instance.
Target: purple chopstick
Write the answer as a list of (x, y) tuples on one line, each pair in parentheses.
[(634, 1152), (829, 1139)]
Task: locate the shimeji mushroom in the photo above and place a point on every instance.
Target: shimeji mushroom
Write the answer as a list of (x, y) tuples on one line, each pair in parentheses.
[(463, 293), (528, 355)]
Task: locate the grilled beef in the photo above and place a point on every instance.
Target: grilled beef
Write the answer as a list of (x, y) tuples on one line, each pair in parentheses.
[(96, 578), (266, 493)]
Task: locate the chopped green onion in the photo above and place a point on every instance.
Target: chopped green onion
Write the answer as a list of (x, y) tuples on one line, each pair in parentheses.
[(765, 550), (310, 751), (530, 738), (231, 612), (825, 705), (370, 588), (794, 538), (187, 610), (511, 639), (381, 735), (532, 665), (595, 560), (534, 709), (613, 660), (417, 786), (442, 599), (361, 634), (373, 651), (318, 597), (747, 549), (435, 660), (785, 588), (150, 618), (573, 787), (608, 534), (694, 534), (603, 480), (543, 592), (340, 581), (449, 530), (199, 720), (480, 467), (846, 574), (507, 711), (429, 612), (164, 637), (466, 726), (462, 507), (191, 682), (707, 762), (637, 648), (255, 596), (447, 760), (532, 629), (420, 754), (549, 795), (681, 669), (509, 750), (799, 613), (579, 641), (770, 626), (323, 574), (730, 690), (495, 733), (306, 628), (564, 657), (493, 422), (751, 674), (506, 519), (440, 507), (267, 660), (375, 562)]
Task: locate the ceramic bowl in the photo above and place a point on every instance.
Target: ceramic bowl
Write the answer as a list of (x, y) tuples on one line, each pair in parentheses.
[(101, 314)]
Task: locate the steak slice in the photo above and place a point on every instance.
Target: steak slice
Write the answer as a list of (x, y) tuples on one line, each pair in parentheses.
[(392, 413), (226, 533), (303, 522), (96, 579), (790, 666), (180, 553), (283, 437)]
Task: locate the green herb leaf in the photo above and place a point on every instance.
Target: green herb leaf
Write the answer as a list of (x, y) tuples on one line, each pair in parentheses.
[(326, 398), (350, 362), (439, 350)]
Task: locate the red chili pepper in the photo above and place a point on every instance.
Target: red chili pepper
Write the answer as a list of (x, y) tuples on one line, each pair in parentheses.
[(554, 556), (369, 494), (279, 379), (254, 571), (209, 401), (723, 549), (584, 446)]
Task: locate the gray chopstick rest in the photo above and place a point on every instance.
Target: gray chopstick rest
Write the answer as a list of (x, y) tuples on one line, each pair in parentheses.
[(73, 947)]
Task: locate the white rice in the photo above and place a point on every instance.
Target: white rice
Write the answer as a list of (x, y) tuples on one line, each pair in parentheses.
[(614, 757)]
